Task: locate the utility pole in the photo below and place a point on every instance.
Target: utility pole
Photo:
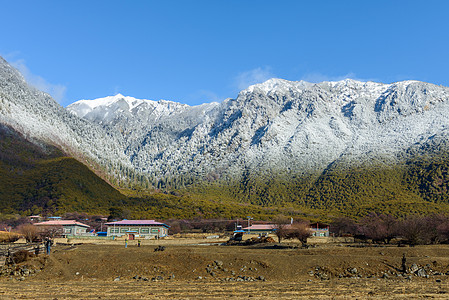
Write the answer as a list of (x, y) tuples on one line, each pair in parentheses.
[(249, 218)]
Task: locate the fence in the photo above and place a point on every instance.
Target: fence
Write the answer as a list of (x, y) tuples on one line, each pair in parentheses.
[(88, 237), (9, 249)]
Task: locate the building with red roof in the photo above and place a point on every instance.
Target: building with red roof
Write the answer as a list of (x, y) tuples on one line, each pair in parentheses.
[(137, 228), (64, 227)]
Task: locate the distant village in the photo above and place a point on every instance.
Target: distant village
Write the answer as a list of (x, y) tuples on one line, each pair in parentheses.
[(372, 228), (151, 229)]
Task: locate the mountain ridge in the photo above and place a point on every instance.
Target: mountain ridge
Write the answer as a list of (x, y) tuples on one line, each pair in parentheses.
[(265, 115), (312, 146)]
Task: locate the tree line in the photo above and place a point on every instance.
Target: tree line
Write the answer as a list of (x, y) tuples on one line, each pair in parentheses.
[(385, 228)]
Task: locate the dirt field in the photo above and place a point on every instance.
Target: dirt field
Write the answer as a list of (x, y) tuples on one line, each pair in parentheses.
[(111, 271)]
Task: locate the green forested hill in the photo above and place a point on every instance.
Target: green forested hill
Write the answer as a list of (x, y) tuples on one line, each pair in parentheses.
[(39, 178), (420, 186)]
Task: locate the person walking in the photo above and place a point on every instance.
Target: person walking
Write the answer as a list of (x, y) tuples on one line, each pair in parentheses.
[(126, 243), (138, 243)]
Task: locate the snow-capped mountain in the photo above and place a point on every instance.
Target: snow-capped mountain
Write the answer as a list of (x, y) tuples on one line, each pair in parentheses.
[(278, 126)]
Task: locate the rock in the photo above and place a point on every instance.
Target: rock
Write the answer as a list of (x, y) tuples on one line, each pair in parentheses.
[(159, 248), (421, 273), (218, 263), (311, 273), (199, 277), (117, 278), (77, 273), (261, 278), (385, 276), (325, 277), (438, 280), (353, 270), (414, 268)]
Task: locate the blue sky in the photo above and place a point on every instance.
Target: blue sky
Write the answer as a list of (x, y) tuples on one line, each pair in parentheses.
[(202, 51)]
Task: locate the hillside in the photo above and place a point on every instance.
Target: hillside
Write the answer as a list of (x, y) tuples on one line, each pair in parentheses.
[(296, 148), (38, 178)]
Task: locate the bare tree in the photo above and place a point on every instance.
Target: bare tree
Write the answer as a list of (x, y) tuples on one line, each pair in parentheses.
[(379, 227), (281, 224), (30, 232), (343, 225), (50, 231), (437, 228), (413, 229), (300, 230)]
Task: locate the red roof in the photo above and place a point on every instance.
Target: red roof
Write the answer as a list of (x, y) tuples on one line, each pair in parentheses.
[(61, 223), (261, 227), (136, 223)]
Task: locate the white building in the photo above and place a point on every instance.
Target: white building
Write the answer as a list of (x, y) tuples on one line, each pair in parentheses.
[(64, 227), (137, 228)]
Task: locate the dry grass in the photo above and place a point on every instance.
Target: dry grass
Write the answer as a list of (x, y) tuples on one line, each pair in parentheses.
[(88, 272)]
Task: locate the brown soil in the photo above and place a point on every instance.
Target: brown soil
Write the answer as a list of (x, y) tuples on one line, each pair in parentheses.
[(88, 271)]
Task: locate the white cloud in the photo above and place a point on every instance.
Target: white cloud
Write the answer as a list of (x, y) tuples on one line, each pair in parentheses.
[(258, 75), (57, 91), (319, 77)]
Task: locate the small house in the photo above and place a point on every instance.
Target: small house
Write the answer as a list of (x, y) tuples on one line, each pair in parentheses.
[(319, 229), (137, 228), (63, 227)]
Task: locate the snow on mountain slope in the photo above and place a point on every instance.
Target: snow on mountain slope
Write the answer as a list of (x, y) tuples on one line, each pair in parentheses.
[(42, 120), (278, 126)]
